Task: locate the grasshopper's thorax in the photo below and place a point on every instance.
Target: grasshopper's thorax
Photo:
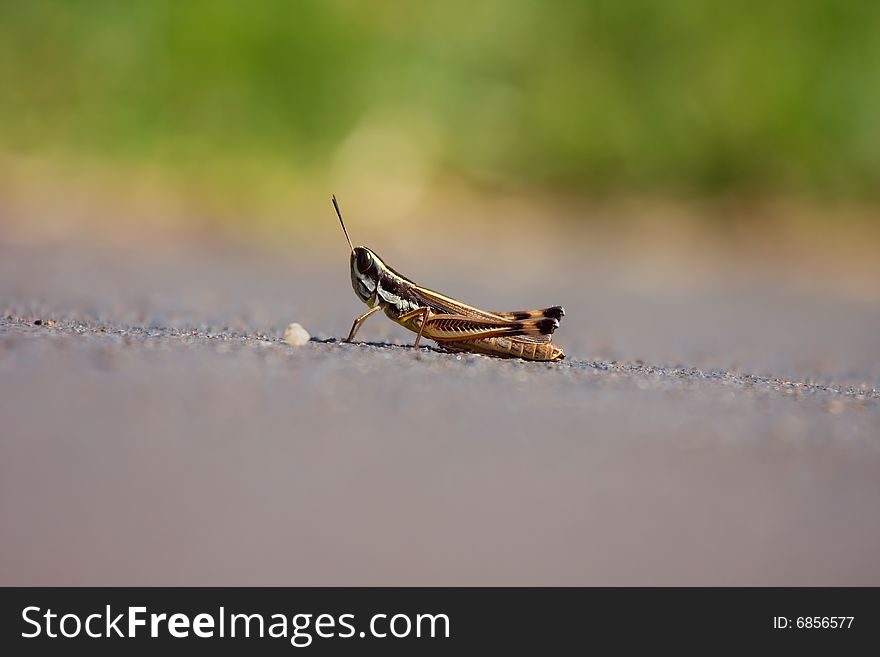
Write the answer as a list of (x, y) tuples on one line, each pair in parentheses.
[(374, 283)]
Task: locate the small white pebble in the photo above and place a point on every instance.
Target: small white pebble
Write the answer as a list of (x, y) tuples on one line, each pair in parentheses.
[(295, 335)]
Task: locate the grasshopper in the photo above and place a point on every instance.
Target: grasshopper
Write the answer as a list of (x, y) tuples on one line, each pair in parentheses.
[(453, 325)]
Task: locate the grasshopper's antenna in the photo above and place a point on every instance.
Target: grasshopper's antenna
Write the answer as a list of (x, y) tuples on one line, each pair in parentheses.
[(342, 223)]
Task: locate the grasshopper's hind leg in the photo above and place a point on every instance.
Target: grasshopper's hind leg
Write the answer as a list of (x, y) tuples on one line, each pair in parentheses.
[(360, 320)]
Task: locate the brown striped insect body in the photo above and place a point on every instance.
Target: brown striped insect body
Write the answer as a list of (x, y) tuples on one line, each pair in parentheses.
[(454, 325)]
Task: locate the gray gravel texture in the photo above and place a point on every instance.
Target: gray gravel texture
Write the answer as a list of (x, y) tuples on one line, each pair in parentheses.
[(157, 430)]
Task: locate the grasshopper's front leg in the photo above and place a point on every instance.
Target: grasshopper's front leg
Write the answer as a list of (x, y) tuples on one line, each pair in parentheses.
[(360, 320)]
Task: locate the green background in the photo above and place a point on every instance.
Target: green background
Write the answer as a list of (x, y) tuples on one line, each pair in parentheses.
[(686, 97)]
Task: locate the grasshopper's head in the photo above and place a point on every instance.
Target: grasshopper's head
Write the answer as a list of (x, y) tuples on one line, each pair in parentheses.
[(365, 269)]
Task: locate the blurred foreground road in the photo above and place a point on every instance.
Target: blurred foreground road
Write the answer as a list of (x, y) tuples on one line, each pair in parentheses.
[(156, 430)]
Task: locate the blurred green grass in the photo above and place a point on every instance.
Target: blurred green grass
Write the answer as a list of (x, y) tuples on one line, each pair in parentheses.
[(755, 97)]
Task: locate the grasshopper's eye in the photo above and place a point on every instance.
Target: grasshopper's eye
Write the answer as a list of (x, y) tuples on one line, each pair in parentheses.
[(364, 261)]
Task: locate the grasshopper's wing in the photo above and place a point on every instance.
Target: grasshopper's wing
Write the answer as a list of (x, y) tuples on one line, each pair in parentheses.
[(527, 322), (442, 304), (455, 327), (553, 312)]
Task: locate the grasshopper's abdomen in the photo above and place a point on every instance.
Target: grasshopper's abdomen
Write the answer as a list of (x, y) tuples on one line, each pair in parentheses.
[(509, 348)]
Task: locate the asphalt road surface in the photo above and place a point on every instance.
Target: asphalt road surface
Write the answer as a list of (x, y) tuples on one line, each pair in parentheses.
[(156, 430)]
